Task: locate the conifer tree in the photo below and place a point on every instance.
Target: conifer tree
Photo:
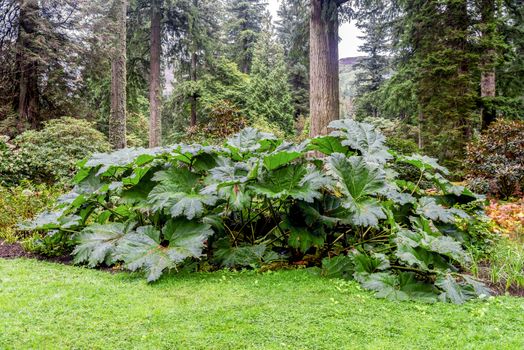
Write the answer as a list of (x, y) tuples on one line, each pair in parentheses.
[(245, 20), (373, 67), (269, 94), (293, 33)]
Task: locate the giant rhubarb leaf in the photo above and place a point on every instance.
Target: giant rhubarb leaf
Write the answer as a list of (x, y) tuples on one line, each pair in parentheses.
[(142, 249), (362, 137), (97, 243)]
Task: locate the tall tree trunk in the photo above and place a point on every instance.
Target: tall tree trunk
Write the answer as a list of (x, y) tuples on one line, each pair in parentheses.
[(117, 119), (154, 78), (27, 62), (194, 63), (193, 98), (488, 61), (323, 55)]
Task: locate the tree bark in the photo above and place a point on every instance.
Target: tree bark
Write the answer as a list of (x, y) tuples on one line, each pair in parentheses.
[(488, 62), (117, 119), (323, 55), (193, 98), (193, 71), (28, 101), (155, 93)]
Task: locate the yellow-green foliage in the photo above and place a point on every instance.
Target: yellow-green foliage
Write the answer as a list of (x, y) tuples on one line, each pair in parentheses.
[(23, 202)]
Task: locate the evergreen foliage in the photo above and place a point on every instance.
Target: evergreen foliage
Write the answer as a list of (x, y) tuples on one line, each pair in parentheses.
[(245, 18), (269, 95), (293, 33)]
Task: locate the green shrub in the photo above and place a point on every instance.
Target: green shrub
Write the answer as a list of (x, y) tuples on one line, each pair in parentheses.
[(23, 202), (50, 154), (495, 161), (259, 200)]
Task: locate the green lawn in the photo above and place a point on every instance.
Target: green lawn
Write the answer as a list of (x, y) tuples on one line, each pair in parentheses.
[(50, 306)]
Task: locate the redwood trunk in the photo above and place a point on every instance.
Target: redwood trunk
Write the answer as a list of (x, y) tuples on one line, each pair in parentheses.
[(323, 55), (154, 78), (27, 62), (117, 119), (488, 62)]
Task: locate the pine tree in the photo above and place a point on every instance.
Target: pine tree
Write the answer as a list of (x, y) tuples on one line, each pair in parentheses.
[(373, 68), (245, 20), (193, 30), (442, 59), (269, 96), (293, 33)]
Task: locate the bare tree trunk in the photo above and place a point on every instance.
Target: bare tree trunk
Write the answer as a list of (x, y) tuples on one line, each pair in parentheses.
[(420, 127), (193, 98), (28, 95), (323, 56), (117, 119), (154, 78), (488, 61)]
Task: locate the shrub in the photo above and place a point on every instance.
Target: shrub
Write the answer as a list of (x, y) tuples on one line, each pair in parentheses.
[(259, 200), (51, 154), (23, 202), (509, 219), (495, 161)]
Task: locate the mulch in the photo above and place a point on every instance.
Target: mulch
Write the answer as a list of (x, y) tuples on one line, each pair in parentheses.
[(15, 251)]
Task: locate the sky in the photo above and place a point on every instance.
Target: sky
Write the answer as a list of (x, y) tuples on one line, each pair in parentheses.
[(348, 46)]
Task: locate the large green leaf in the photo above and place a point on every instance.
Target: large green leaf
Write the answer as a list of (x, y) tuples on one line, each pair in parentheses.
[(403, 286), (278, 158), (188, 236), (357, 181), (248, 140), (365, 212), (303, 238), (365, 264), (142, 249), (423, 163), (424, 250), (295, 181), (179, 193), (244, 255), (355, 177), (340, 266), (97, 243), (452, 291), (120, 158), (327, 145), (429, 208), (362, 137)]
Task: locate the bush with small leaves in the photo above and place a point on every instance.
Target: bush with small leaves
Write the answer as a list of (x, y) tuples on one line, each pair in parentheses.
[(495, 161), (50, 155)]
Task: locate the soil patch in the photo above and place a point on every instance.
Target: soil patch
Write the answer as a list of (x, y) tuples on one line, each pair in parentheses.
[(15, 250)]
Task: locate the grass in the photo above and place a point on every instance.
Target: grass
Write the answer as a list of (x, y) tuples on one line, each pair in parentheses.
[(50, 306)]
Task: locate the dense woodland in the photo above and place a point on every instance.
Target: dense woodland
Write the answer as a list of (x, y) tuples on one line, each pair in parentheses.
[(440, 71), (234, 143)]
